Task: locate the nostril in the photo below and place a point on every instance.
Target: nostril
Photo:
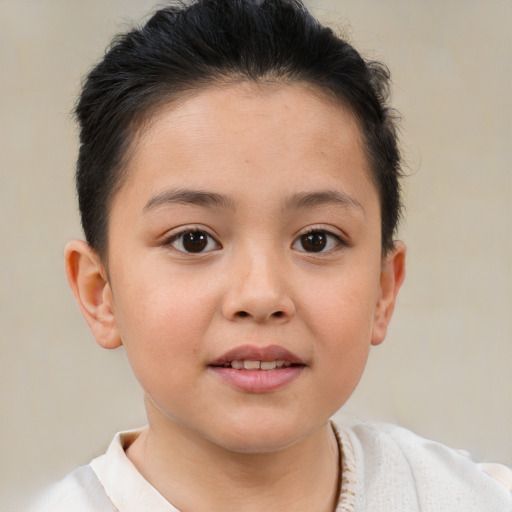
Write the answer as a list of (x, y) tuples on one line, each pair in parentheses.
[(245, 314)]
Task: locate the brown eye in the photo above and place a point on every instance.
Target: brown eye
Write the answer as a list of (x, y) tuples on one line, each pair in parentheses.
[(314, 242), (318, 241), (195, 241)]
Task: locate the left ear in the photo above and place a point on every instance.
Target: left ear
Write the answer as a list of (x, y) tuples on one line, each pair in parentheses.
[(392, 276)]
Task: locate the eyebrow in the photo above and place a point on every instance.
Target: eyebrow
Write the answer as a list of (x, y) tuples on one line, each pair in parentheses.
[(211, 199), (321, 198), (187, 196)]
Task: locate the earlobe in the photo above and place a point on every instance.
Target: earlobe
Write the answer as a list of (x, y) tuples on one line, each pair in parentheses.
[(88, 280), (391, 278)]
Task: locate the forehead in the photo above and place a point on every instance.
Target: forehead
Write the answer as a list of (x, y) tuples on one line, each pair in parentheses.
[(242, 134)]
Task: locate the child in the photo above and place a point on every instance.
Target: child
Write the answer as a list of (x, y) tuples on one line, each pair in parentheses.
[(238, 182)]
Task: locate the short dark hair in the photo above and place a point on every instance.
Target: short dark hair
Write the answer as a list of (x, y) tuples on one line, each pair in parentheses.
[(190, 46)]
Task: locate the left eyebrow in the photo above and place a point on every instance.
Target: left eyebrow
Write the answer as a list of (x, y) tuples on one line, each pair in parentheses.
[(188, 196), (321, 198)]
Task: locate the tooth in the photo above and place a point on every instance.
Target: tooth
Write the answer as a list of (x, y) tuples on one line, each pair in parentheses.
[(279, 364), (237, 365), (251, 365), (287, 364), (268, 365)]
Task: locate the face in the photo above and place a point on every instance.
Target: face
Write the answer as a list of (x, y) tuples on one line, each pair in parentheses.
[(245, 269)]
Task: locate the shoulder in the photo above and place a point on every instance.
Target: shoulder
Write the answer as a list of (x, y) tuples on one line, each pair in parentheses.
[(80, 491), (399, 466)]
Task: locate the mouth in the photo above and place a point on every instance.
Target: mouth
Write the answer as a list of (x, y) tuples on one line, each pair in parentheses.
[(248, 364), (258, 369), (250, 357)]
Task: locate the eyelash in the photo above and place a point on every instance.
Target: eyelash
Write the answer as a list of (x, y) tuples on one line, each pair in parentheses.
[(173, 240), (205, 240), (339, 243)]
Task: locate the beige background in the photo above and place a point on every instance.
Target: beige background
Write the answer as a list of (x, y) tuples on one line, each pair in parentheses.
[(445, 370)]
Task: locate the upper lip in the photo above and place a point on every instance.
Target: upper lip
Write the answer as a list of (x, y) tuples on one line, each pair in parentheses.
[(254, 353)]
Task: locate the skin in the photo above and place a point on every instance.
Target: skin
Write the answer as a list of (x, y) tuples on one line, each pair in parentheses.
[(209, 445)]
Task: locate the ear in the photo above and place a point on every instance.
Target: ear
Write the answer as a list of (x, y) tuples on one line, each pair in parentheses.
[(392, 276), (87, 277)]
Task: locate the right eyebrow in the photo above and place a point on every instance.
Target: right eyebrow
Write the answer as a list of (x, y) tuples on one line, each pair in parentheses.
[(189, 196)]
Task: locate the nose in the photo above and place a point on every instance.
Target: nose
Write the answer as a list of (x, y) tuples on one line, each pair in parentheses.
[(258, 291)]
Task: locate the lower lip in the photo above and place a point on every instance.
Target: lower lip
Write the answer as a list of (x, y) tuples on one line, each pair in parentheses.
[(258, 381)]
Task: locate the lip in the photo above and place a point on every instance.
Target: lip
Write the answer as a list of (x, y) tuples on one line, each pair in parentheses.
[(258, 381), (253, 353)]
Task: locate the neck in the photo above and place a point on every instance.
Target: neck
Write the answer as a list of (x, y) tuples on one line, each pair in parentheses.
[(195, 474)]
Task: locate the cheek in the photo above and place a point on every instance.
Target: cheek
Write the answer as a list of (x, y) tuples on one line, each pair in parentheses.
[(342, 306), (344, 329), (340, 315), (160, 301), (341, 354), (161, 322)]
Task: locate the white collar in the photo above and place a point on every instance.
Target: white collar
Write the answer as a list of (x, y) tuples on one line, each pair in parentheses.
[(129, 491)]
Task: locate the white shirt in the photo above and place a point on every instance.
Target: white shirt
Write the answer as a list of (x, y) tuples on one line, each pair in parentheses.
[(384, 469)]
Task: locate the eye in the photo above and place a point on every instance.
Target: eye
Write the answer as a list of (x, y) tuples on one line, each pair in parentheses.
[(317, 240), (193, 241)]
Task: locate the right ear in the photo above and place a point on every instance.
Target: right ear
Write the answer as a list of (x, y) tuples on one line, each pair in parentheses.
[(87, 277)]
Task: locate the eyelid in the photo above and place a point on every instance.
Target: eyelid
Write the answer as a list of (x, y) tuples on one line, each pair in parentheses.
[(341, 241), (171, 238)]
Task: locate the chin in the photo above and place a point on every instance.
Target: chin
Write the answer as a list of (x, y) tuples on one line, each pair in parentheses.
[(259, 445), (262, 435)]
